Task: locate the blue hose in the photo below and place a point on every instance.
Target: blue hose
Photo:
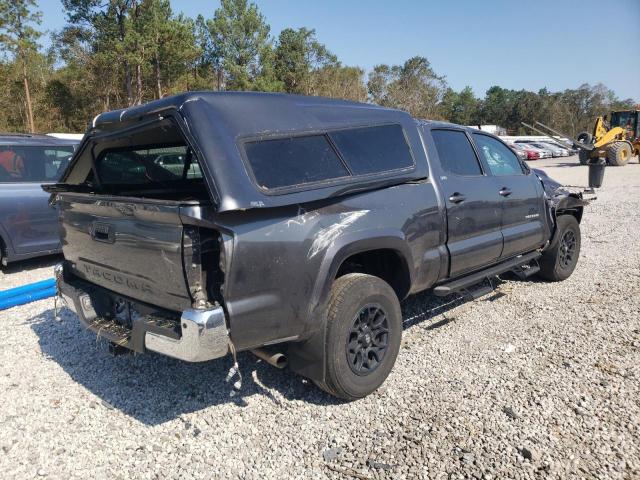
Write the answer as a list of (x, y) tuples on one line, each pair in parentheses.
[(27, 293), (32, 287)]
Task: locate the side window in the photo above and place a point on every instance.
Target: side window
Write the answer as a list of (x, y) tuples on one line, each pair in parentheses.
[(373, 149), (22, 164), (500, 159), (456, 153), (287, 162), (56, 161)]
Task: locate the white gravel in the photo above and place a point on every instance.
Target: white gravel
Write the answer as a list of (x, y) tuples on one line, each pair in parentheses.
[(535, 380)]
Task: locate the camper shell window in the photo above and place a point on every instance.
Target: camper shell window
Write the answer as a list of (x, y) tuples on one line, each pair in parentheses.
[(298, 161)]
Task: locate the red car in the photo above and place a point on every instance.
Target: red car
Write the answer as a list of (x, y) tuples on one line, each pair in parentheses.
[(524, 152)]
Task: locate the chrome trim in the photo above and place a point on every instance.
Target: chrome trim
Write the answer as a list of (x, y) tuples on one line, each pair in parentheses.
[(204, 337)]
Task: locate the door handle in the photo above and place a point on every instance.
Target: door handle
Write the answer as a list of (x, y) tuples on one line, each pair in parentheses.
[(457, 198), (505, 192)]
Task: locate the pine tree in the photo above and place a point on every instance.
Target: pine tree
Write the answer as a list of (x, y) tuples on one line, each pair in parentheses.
[(19, 37)]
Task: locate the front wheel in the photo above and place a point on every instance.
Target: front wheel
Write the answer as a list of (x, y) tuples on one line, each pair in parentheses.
[(363, 334), (559, 260), (619, 154)]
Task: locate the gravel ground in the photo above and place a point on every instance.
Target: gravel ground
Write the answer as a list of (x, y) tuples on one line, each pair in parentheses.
[(533, 381)]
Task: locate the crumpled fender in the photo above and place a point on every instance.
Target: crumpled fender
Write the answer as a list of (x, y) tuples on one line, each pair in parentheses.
[(560, 199)]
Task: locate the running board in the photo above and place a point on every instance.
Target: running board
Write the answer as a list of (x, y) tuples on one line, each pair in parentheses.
[(474, 278), (526, 271)]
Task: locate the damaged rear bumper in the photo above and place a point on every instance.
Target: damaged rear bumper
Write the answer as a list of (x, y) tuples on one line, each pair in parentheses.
[(193, 335)]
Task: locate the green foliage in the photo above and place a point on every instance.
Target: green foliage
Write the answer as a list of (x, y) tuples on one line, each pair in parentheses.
[(413, 87), (17, 33), (298, 58), (240, 35), (462, 108), (116, 53)]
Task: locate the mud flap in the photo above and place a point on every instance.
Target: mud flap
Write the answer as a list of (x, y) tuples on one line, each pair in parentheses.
[(307, 358)]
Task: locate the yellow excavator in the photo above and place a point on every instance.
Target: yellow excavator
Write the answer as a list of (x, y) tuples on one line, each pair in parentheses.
[(616, 139)]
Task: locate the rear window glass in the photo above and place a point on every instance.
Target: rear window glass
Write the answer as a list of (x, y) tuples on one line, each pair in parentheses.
[(294, 161), (33, 164), (373, 149), (456, 153), (141, 166)]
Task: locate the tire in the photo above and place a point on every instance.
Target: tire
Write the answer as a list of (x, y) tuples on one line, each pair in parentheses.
[(559, 260), (619, 154), (356, 304), (585, 137)]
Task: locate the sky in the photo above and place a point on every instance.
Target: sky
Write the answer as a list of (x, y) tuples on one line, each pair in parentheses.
[(516, 44)]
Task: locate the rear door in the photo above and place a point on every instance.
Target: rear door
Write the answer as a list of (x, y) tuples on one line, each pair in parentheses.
[(520, 194), (473, 208), (25, 212)]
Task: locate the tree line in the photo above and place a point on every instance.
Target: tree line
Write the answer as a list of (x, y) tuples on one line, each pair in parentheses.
[(118, 53)]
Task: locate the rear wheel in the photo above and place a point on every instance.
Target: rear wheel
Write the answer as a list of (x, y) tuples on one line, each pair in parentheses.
[(619, 154), (559, 260), (364, 330)]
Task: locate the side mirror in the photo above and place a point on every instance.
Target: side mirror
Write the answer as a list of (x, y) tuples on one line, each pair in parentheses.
[(596, 172)]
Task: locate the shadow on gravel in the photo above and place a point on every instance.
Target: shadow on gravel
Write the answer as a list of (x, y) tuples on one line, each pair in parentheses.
[(155, 389), (567, 164), (32, 264)]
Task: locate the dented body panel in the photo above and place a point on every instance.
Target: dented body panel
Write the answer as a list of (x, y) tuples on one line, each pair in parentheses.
[(266, 260)]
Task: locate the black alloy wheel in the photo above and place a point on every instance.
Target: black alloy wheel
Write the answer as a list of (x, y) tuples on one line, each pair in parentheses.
[(368, 340)]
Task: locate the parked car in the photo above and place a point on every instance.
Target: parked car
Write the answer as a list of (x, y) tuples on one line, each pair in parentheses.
[(557, 150), (310, 220), (524, 152), (519, 151), (542, 152), (28, 225), (554, 149)]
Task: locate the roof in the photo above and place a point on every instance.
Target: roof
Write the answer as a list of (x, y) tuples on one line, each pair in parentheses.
[(220, 121), (25, 139), (251, 112), (67, 136)]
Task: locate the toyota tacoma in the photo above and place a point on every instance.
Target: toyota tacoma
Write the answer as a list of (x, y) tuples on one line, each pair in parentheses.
[(209, 223)]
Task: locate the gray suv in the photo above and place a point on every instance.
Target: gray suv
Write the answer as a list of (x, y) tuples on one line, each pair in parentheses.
[(28, 225)]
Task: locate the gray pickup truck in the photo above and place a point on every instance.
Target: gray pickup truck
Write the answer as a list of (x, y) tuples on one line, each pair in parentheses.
[(209, 223)]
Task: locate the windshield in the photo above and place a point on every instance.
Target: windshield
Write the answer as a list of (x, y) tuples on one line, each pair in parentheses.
[(626, 120)]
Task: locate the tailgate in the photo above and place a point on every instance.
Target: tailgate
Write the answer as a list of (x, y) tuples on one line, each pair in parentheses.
[(130, 246)]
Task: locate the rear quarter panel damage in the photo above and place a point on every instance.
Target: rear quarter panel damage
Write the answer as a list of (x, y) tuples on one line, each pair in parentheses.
[(284, 259)]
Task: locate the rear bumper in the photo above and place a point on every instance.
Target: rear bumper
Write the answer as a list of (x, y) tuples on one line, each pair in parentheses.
[(196, 336)]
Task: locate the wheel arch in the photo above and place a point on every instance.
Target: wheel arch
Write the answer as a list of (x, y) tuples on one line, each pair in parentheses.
[(570, 205), (363, 243), (307, 357), (5, 245)]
